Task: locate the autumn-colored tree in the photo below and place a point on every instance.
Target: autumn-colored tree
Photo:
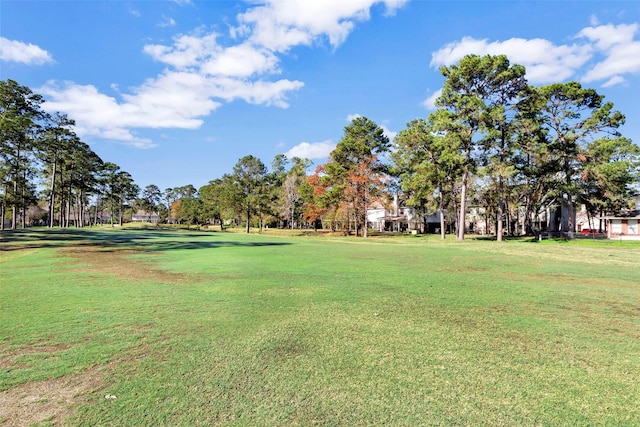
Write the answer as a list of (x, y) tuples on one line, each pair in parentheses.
[(174, 209), (313, 191), (348, 182)]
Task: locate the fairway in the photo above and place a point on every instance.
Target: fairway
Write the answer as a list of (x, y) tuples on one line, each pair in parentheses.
[(132, 327)]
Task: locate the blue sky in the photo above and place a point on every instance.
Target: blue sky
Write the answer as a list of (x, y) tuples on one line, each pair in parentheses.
[(175, 92)]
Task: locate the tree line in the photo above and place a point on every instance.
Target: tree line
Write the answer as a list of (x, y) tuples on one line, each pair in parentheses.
[(494, 142), (42, 161)]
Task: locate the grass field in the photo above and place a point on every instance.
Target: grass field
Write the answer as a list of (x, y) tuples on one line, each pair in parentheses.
[(155, 327)]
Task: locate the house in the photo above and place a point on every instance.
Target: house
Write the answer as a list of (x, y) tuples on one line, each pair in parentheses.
[(626, 225), (391, 217), (399, 218), (144, 216)]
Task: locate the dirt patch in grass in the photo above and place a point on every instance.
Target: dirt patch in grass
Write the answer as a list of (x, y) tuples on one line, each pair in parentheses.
[(11, 360), (54, 400), (122, 264), (51, 401)]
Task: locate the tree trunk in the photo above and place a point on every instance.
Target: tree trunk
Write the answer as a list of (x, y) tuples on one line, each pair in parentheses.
[(463, 204), (69, 197), (82, 208), (293, 208), (14, 207), (23, 203), (600, 227), (443, 235), (52, 198), (120, 206), (365, 228), (499, 229), (2, 208), (95, 213)]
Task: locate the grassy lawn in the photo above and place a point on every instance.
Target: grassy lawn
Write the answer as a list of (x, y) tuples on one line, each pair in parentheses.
[(153, 327)]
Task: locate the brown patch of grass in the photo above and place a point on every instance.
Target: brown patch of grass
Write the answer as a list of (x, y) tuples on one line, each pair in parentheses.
[(54, 400), (34, 349), (121, 264), (50, 401)]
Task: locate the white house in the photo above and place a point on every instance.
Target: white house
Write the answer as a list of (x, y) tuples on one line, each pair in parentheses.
[(144, 216), (398, 218)]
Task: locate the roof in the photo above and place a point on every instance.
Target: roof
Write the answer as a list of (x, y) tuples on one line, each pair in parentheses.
[(145, 213), (635, 214)]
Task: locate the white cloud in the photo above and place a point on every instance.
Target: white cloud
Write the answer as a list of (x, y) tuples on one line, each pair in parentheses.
[(313, 150), (388, 133), (620, 60), (201, 73), (174, 99), (281, 24), (606, 52), (202, 52), (352, 117), (430, 102), (164, 103), (545, 62), (622, 52), (606, 36), (26, 53), (186, 51), (254, 92), (613, 81), (241, 61)]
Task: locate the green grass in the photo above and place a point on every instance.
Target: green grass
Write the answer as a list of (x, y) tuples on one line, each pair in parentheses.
[(195, 328)]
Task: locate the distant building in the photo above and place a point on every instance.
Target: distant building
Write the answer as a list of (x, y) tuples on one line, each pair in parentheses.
[(399, 218), (625, 225), (144, 216)]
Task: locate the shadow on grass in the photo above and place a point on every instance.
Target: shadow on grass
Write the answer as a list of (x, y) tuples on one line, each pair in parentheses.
[(119, 239)]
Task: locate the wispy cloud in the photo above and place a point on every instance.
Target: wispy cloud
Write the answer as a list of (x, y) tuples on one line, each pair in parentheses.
[(167, 21), (25, 53)]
